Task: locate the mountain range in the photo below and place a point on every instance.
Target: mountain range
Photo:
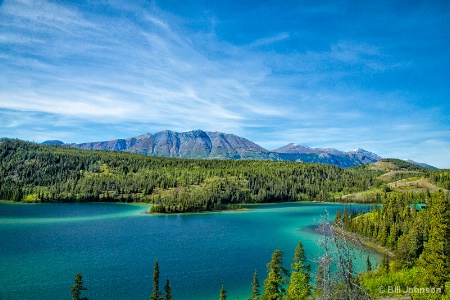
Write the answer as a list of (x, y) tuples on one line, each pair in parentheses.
[(355, 157), (200, 144)]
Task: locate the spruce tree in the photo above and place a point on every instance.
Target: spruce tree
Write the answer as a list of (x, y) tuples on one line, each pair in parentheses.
[(223, 293), (435, 257), (368, 264), (168, 290), (299, 287), (77, 288), (255, 287), (320, 280), (156, 294), (273, 285), (385, 267)]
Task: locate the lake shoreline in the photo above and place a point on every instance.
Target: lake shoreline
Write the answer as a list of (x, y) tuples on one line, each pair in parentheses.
[(248, 206), (374, 246)]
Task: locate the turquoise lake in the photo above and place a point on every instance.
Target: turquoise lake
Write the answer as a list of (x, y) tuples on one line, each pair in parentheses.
[(115, 246)]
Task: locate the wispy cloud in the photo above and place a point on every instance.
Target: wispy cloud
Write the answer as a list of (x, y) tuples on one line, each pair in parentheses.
[(122, 70), (270, 40), (128, 68)]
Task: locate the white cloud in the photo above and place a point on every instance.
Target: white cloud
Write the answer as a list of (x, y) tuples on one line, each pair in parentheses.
[(122, 70), (147, 71), (270, 40), (32, 15)]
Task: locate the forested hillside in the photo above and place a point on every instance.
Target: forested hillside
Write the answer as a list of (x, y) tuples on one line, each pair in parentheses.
[(41, 173)]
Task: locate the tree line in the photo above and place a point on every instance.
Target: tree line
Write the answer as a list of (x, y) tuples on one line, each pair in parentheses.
[(41, 173)]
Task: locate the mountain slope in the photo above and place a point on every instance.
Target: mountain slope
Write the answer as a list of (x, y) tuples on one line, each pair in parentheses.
[(355, 157), (192, 144), (216, 145), (420, 164)]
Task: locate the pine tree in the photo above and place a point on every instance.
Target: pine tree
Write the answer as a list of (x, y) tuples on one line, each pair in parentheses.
[(368, 264), (385, 264), (299, 287), (156, 294), (168, 290), (320, 277), (223, 293), (435, 257), (255, 287), (273, 285), (77, 288)]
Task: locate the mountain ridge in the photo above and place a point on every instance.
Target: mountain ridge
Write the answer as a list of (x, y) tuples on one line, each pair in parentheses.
[(199, 144), (357, 156)]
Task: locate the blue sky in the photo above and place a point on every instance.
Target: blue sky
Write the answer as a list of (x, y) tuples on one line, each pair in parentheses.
[(342, 74)]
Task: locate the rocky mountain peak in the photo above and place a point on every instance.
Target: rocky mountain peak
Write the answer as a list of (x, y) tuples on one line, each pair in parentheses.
[(201, 144)]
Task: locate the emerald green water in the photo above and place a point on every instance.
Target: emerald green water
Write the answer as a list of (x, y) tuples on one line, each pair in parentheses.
[(115, 246)]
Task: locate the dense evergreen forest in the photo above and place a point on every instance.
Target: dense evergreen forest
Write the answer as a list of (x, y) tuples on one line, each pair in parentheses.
[(415, 229), (40, 173)]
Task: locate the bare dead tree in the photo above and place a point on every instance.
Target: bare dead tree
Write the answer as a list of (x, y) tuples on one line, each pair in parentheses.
[(336, 278), (345, 243), (325, 278)]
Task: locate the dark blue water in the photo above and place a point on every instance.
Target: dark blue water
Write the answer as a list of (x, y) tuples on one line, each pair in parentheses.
[(115, 246)]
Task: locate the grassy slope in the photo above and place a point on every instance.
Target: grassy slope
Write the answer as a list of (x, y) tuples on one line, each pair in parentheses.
[(399, 176)]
